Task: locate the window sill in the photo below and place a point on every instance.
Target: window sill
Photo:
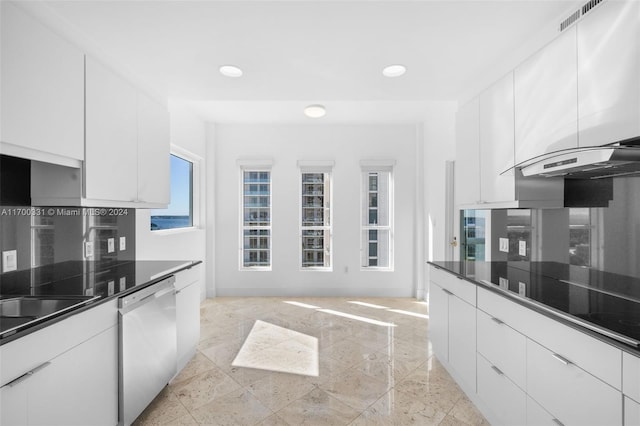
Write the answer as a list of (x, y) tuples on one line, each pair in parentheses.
[(173, 231)]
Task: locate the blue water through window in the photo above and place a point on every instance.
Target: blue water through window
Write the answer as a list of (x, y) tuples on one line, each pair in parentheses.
[(179, 213)]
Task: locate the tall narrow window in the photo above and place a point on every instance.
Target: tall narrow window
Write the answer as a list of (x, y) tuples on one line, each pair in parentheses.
[(315, 229), (377, 218), (256, 219)]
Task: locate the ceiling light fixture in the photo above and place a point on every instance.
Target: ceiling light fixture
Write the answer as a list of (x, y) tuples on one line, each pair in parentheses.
[(230, 71), (315, 111), (394, 70)]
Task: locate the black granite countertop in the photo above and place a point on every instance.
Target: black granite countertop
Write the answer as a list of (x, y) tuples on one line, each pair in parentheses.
[(599, 302), (102, 280)]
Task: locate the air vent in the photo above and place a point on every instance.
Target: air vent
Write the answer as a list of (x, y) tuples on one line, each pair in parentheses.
[(586, 8), (590, 5), (570, 20)]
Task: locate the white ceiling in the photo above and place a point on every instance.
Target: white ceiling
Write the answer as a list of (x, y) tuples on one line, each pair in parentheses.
[(299, 52)]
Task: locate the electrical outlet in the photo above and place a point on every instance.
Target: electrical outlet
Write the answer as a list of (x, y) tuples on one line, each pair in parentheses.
[(88, 249), (9, 260), (111, 286), (123, 283), (522, 289), (504, 283), (111, 245), (504, 245), (123, 243), (522, 248)]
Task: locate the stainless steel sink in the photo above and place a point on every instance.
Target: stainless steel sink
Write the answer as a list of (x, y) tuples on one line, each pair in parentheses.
[(23, 311)]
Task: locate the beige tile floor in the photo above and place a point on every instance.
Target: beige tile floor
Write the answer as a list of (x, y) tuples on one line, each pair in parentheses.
[(373, 362)]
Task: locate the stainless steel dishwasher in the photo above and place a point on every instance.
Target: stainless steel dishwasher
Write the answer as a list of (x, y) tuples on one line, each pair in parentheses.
[(147, 327)]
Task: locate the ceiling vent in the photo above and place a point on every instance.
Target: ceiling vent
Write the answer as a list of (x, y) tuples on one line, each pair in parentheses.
[(575, 16)]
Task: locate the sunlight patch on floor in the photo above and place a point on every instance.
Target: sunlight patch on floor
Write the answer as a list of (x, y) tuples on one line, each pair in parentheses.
[(302, 305), (274, 348), (357, 317), (368, 305), (413, 314)]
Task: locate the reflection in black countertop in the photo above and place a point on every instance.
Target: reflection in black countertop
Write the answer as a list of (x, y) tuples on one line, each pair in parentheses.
[(106, 280), (610, 301), (78, 278)]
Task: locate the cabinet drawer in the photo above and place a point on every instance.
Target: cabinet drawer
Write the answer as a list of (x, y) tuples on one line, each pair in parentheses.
[(503, 347), (186, 277), (32, 350), (596, 357), (506, 401), (569, 393), (631, 412), (452, 283), (631, 376), (538, 416)]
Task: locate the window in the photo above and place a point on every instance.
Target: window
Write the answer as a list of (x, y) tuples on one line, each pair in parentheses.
[(179, 213), (315, 219), (256, 219), (376, 246)]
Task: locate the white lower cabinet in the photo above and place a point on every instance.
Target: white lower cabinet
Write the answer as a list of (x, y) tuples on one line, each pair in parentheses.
[(631, 376), (569, 393), (187, 314), (452, 320), (64, 374), (506, 401), (631, 412), (538, 416)]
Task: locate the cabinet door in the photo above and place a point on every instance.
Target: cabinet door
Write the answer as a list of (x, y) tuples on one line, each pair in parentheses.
[(42, 87), (462, 340), (506, 401), (13, 404), (631, 412), (546, 110), (187, 322), (538, 416), (79, 387), (111, 136), (467, 167), (497, 142), (153, 152), (631, 376), (608, 70), (569, 393), (439, 321)]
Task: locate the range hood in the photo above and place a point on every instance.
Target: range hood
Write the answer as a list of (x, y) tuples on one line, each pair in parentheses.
[(617, 159)]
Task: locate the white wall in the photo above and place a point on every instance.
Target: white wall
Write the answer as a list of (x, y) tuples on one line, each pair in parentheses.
[(187, 133), (285, 145), (439, 146)]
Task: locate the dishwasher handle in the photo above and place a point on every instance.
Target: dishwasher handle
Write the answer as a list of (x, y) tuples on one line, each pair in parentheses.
[(147, 294)]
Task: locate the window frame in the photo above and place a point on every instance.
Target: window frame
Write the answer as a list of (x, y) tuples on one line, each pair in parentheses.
[(367, 167), (196, 186), (254, 166), (306, 167)]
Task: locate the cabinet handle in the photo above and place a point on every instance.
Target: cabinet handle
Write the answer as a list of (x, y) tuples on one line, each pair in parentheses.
[(447, 291), (497, 370), (497, 320), (26, 375), (561, 359), (558, 422)]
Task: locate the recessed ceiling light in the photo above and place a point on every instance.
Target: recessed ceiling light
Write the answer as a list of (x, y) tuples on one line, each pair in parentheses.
[(230, 71), (395, 70), (315, 111)]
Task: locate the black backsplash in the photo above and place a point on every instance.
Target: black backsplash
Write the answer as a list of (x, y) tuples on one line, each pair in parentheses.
[(599, 238), (52, 235)]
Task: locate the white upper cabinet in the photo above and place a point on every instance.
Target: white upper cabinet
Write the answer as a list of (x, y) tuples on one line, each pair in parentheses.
[(609, 74), (467, 168), (111, 136), (546, 111), (497, 142), (153, 152), (42, 82)]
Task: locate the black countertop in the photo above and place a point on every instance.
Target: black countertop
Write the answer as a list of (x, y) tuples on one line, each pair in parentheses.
[(600, 302), (104, 280)]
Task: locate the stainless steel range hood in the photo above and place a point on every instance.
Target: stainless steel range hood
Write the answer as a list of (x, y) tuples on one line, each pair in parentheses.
[(618, 159)]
